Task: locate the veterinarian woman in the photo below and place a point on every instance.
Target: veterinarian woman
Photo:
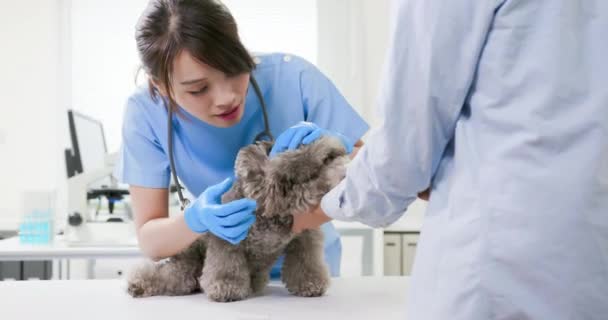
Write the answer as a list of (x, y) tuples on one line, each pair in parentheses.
[(501, 106), (197, 66)]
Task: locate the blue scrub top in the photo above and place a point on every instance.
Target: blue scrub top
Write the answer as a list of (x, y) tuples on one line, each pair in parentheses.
[(294, 90)]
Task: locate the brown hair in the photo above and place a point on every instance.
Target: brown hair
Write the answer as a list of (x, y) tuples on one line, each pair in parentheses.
[(205, 28)]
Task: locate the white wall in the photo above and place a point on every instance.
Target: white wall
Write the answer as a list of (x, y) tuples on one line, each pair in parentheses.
[(31, 98), (277, 25), (104, 60), (353, 36)]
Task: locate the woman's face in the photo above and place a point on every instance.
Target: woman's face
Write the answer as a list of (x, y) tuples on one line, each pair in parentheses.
[(208, 93)]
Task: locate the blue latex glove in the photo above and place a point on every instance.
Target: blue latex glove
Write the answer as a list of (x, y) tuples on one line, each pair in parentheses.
[(230, 221), (305, 133)]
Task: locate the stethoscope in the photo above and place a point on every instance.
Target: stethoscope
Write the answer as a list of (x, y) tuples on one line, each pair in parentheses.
[(264, 134)]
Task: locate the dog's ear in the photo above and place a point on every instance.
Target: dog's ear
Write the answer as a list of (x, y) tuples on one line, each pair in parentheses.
[(295, 179), (304, 164), (325, 149), (250, 166)]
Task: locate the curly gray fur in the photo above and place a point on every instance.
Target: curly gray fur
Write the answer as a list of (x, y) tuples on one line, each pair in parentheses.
[(290, 183)]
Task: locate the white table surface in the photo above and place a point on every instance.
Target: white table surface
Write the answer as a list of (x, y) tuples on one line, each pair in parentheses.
[(11, 249), (347, 298)]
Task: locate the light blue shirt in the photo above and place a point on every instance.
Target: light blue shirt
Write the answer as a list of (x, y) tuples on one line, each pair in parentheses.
[(501, 106), (294, 90)]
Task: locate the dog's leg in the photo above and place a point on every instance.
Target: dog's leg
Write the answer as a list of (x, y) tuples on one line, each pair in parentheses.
[(304, 271), (226, 274), (260, 266), (259, 280), (176, 276)]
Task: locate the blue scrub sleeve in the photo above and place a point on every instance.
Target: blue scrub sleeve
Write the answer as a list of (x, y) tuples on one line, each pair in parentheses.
[(325, 106), (143, 162)]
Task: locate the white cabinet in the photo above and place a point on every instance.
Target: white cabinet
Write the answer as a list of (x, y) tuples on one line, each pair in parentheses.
[(409, 242), (392, 254), (399, 252)]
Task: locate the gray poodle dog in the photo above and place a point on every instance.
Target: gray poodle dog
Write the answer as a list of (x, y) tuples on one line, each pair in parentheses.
[(290, 183)]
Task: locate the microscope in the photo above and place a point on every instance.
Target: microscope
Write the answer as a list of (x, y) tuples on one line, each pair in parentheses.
[(89, 170)]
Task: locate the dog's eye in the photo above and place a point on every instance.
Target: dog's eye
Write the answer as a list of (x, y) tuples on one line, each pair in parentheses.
[(330, 157)]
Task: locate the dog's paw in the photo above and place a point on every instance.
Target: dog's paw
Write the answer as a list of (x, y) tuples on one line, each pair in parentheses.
[(227, 291), (137, 289), (139, 281), (309, 288)]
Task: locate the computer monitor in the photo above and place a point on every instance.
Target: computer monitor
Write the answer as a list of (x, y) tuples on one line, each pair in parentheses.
[(89, 148)]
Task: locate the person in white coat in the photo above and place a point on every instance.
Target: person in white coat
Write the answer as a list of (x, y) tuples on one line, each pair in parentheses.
[(501, 106)]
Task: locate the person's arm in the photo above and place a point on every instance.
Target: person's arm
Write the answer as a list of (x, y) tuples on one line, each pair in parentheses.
[(358, 145), (159, 235), (317, 216), (144, 166), (429, 72)]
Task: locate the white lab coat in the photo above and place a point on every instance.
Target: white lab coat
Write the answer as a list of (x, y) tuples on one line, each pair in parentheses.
[(501, 106)]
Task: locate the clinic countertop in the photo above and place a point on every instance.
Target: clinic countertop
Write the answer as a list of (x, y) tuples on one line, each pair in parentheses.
[(11, 249), (348, 298)]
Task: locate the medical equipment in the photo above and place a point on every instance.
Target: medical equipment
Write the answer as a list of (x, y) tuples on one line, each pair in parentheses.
[(264, 134), (36, 223), (89, 169)]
